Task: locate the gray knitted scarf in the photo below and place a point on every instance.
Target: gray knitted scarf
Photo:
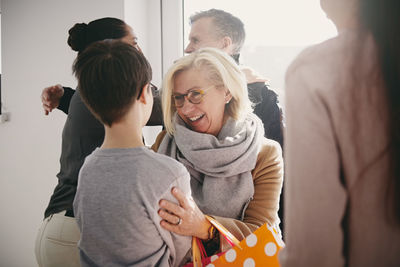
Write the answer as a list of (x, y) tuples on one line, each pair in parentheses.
[(220, 167)]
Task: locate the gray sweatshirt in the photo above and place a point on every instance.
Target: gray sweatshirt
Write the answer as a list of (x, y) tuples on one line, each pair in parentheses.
[(116, 208)]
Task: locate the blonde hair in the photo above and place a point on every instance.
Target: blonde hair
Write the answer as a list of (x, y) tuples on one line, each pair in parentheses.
[(222, 71)]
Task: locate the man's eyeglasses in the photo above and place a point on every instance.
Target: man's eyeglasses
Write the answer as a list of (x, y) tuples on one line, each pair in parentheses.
[(154, 90), (194, 96)]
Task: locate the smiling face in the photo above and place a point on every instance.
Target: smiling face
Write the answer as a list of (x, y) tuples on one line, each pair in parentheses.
[(209, 115)]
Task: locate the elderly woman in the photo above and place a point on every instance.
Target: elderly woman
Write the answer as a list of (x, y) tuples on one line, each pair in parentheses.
[(236, 173)]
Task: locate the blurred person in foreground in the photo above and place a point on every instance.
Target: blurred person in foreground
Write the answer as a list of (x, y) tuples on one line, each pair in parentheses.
[(342, 146)]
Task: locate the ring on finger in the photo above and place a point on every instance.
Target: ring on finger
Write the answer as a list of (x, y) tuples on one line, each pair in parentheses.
[(179, 221)]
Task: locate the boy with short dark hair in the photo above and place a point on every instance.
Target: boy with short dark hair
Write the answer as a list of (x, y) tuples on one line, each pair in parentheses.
[(119, 188)]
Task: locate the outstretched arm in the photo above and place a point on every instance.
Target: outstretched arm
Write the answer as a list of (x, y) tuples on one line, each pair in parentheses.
[(56, 96), (66, 99)]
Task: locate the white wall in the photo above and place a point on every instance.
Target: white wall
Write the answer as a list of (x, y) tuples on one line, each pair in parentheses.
[(172, 32), (34, 55), (144, 17), (147, 26)]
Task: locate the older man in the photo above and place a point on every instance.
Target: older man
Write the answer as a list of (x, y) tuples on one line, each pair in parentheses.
[(220, 29)]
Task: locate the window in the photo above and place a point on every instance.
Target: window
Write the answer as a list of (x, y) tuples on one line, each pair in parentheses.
[(276, 31), (1, 103)]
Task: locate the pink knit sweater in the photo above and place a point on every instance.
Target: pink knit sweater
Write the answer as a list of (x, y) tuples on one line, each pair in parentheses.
[(336, 159)]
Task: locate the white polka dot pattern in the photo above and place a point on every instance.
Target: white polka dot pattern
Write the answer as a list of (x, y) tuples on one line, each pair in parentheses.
[(270, 249), (251, 240), (258, 249), (230, 255), (249, 262), (214, 257)]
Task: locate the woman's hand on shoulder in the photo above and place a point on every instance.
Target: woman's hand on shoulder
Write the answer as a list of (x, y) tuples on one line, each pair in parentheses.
[(185, 218)]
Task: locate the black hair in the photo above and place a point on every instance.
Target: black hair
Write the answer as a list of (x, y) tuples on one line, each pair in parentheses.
[(81, 34), (382, 19), (111, 75)]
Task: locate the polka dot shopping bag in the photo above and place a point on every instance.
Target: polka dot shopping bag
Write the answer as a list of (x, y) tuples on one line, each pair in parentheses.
[(258, 249)]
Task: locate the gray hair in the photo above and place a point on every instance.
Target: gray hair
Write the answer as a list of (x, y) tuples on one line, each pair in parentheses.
[(225, 25)]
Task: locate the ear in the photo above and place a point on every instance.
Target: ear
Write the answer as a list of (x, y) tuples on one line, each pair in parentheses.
[(227, 44), (145, 94), (228, 97)]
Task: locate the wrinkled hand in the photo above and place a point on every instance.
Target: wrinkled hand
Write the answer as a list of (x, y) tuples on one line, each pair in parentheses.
[(51, 97), (192, 223)]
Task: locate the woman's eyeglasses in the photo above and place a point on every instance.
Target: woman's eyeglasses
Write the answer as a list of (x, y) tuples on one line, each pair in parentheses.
[(194, 96)]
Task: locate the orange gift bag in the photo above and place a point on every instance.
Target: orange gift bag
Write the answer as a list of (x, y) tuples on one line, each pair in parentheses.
[(258, 249)]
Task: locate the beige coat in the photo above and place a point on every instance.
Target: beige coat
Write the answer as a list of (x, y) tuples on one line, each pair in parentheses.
[(336, 145), (268, 178)]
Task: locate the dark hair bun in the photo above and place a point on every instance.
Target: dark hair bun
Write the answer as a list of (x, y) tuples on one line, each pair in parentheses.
[(77, 39)]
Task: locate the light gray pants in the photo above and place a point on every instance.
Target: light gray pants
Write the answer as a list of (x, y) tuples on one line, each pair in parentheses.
[(56, 242)]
